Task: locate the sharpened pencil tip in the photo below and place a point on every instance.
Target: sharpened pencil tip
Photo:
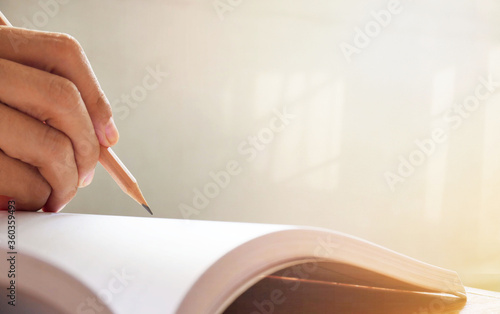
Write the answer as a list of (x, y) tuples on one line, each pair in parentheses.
[(147, 208)]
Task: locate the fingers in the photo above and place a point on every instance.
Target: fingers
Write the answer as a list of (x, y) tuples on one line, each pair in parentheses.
[(55, 100), (25, 184), (62, 55), (34, 143)]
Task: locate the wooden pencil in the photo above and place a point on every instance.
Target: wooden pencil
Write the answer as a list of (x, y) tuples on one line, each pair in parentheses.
[(122, 176), (112, 163)]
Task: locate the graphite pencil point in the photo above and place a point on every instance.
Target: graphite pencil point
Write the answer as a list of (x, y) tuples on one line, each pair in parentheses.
[(147, 208)]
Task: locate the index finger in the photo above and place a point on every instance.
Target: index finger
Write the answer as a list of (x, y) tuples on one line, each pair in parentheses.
[(61, 54)]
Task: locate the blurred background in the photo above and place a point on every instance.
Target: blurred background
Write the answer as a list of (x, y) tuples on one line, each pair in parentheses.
[(376, 118)]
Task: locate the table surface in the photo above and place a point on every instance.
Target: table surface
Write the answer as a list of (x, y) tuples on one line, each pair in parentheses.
[(481, 301)]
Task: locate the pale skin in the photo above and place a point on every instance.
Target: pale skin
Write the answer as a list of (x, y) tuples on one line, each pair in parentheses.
[(53, 116)]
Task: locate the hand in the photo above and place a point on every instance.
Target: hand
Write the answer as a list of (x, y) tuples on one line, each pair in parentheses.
[(53, 116)]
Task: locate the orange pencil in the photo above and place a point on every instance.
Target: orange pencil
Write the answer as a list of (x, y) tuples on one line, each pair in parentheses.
[(122, 176)]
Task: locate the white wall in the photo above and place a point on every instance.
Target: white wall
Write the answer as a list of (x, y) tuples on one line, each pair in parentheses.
[(352, 120)]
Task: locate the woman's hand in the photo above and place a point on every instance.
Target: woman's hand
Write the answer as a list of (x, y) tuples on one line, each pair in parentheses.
[(53, 116)]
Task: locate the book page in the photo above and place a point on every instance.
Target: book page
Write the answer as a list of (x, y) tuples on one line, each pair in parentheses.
[(152, 265)]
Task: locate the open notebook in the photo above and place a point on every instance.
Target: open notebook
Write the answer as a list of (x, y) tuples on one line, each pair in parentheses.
[(75, 263)]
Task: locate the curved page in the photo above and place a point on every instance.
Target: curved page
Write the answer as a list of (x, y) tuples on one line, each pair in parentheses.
[(153, 265)]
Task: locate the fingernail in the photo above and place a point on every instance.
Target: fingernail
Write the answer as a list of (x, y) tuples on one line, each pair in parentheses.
[(88, 179), (111, 132)]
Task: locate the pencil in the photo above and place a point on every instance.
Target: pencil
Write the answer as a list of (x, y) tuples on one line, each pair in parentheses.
[(122, 176), (112, 163)]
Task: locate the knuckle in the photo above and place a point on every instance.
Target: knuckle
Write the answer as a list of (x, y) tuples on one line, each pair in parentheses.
[(60, 159), (66, 44), (65, 94), (58, 147), (103, 112), (39, 190)]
